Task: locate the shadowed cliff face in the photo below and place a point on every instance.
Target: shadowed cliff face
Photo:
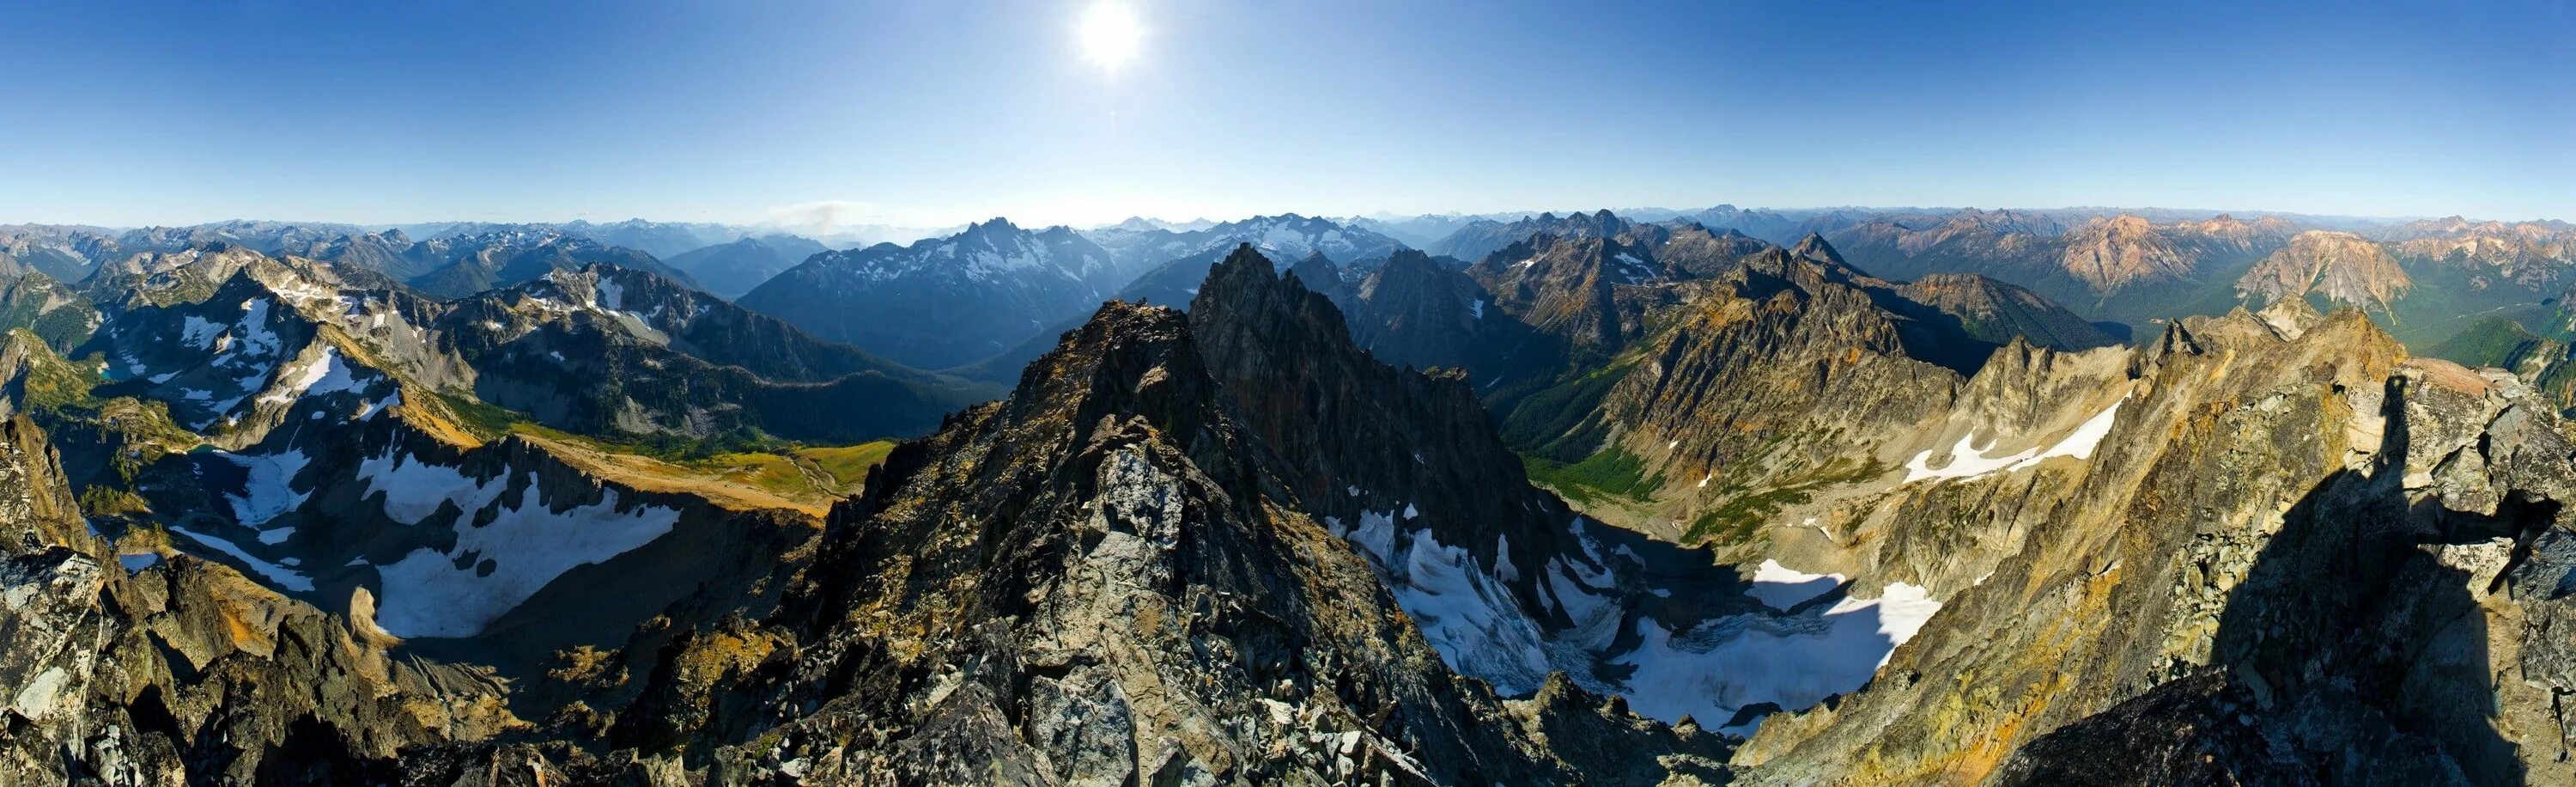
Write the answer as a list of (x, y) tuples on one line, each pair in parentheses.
[(2380, 677)]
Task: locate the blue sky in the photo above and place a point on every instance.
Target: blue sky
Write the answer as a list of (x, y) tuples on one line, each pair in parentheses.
[(128, 113)]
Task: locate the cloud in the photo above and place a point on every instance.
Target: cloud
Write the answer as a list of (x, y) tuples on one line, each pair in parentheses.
[(826, 217), (854, 222)]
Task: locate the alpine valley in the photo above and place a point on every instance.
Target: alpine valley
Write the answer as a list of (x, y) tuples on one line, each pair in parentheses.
[(1727, 495)]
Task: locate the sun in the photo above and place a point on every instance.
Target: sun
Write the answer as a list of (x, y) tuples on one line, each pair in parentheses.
[(1110, 33)]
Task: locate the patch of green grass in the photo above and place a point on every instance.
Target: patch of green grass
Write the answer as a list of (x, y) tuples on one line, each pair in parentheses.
[(1558, 422), (848, 465), (103, 500), (24, 302), (2494, 341), (1739, 519), (802, 471), (52, 383), (1607, 474), (484, 421), (780, 467), (492, 422)]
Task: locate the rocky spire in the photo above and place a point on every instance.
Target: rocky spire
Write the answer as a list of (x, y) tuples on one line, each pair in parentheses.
[(1814, 247)]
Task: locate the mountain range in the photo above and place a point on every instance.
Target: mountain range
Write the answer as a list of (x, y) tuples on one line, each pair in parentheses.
[(1655, 496)]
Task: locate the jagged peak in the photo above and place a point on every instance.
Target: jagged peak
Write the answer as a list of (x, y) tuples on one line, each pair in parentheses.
[(1411, 258), (1244, 264), (1814, 247), (2291, 317), (1319, 269), (2127, 223), (1113, 353)]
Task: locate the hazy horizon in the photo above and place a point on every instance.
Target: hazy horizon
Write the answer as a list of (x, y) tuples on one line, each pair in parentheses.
[(790, 228)]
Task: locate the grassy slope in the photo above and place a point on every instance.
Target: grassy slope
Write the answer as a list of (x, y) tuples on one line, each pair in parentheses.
[(758, 474)]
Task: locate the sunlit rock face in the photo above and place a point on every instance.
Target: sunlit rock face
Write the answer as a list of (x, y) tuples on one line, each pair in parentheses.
[(2279, 498)]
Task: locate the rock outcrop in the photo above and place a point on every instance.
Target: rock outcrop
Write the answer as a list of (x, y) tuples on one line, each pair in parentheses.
[(153, 670)]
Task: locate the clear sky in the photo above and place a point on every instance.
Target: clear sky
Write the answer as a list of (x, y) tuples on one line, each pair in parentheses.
[(923, 112)]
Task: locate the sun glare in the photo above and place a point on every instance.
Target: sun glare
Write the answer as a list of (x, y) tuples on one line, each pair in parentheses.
[(1110, 33)]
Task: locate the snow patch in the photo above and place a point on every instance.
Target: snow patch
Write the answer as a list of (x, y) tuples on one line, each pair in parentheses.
[(2081, 442), (413, 489), (324, 375), (1713, 669), (1469, 617), (282, 576), (1966, 461), (1709, 669), (199, 333), (266, 485), (1781, 587)]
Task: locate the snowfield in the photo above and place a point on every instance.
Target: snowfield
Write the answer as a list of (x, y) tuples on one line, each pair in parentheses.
[(1708, 670), (427, 593), (1711, 670)]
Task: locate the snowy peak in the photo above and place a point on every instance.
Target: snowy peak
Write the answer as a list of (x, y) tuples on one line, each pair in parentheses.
[(1285, 237), (945, 301), (462, 265), (1290, 236), (234, 364), (984, 252)]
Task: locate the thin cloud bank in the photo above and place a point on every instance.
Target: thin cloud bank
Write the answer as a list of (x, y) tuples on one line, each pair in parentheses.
[(849, 221)]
